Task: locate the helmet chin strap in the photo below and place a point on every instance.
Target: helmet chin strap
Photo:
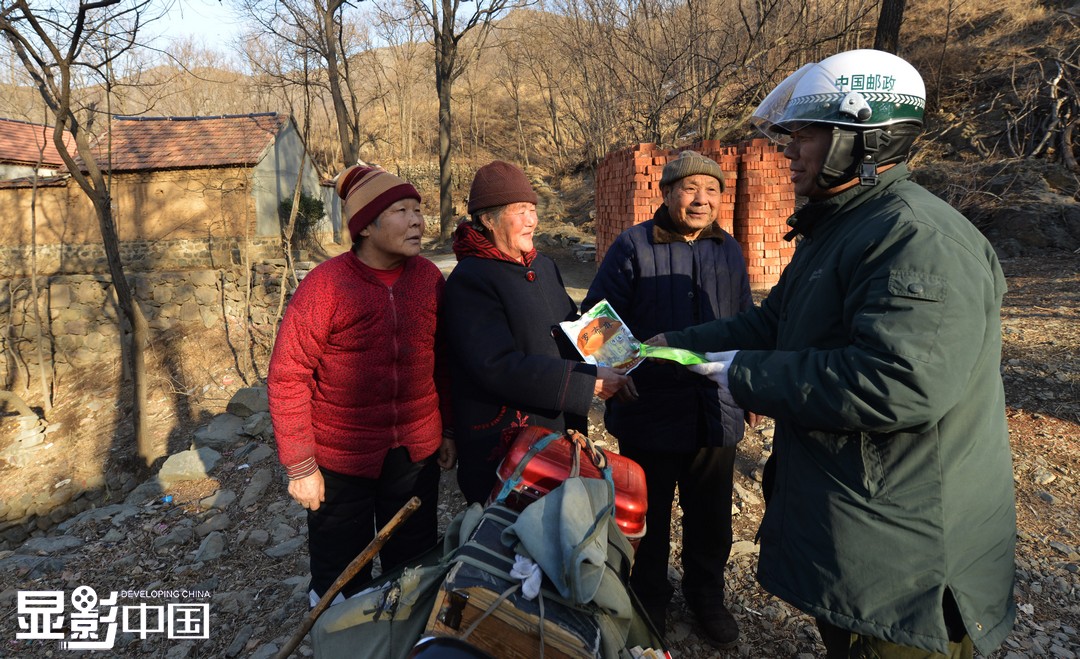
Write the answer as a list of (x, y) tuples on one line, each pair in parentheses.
[(872, 141), (852, 153)]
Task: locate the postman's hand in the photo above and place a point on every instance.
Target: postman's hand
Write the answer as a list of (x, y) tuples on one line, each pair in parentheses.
[(658, 340), (716, 369)]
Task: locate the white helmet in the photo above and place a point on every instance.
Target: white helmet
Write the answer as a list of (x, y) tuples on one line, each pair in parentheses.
[(873, 100)]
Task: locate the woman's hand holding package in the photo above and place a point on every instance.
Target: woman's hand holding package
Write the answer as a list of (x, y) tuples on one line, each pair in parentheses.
[(609, 381), (628, 393)]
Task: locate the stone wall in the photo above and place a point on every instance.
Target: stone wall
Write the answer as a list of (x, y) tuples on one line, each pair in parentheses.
[(758, 198), (140, 255), (81, 315)]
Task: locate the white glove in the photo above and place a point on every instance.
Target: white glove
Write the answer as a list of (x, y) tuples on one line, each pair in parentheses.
[(529, 573), (717, 371), (717, 367)]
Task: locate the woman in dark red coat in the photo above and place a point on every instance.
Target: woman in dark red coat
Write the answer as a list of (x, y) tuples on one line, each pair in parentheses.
[(502, 305), (353, 387)]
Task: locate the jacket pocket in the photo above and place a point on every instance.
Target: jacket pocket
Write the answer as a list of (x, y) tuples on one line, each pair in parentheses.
[(917, 285), (850, 462), (912, 313), (873, 467)]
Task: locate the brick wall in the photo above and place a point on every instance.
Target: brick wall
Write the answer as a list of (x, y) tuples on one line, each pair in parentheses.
[(758, 198)]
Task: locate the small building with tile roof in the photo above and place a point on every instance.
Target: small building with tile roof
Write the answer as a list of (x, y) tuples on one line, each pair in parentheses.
[(26, 147), (192, 185)]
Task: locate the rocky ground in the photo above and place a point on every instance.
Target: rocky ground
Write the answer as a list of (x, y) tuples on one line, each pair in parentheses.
[(231, 537)]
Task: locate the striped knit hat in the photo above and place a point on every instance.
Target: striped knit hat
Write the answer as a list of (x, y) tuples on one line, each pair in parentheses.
[(368, 191)]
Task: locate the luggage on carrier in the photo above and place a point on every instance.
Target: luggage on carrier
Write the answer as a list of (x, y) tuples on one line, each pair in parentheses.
[(581, 561), (386, 618), (539, 460), (481, 603), (572, 601)]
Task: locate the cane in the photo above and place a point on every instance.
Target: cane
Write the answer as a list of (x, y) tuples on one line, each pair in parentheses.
[(362, 559)]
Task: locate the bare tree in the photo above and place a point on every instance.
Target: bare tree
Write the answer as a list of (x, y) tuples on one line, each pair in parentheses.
[(402, 31), (44, 375), (890, 19), (57, 46), (448, 27), (319, 27)]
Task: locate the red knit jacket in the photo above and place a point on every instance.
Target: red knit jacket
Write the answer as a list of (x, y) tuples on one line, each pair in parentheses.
[(353, 372)]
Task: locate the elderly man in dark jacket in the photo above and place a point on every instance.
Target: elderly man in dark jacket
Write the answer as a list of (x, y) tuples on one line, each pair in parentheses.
[(891, 516), (673, 271)]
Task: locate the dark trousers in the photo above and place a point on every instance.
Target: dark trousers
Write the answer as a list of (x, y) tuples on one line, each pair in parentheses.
[(476, 469), (704, 479), (355, 508), (843, 644)]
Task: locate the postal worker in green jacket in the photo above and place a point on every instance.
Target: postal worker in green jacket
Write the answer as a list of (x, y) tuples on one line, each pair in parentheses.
[(890, 511)]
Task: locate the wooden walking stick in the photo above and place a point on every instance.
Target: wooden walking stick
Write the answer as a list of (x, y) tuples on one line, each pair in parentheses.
[(362, 559)]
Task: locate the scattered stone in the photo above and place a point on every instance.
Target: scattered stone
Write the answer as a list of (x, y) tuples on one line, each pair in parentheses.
[(220, 499), (255, 488), (47, 545), (124, 510), (283, 532), (744, 547), (257, 538), (286, 548), (265, 652), (259, 425), (260, 453), (239, 641), (1043, 476), (178, 536), (114, 535), (191, 465), (215, 523), (1047, 497), (33, 567), (747, 496), (223, 431), (211, 549), (1061, 548), (247, 401), (145, 492), (182, 651)]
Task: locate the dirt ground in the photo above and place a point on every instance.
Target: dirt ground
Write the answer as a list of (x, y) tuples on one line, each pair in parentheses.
[(196, 373)]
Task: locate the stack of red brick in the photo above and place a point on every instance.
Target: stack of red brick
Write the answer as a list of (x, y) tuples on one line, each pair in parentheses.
[(758, 198)]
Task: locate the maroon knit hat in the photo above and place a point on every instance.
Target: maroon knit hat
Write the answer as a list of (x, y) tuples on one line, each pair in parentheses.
[(499, 183), (367, 191)]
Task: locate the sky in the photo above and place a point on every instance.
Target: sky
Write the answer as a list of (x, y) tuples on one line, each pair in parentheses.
[(210, 22)]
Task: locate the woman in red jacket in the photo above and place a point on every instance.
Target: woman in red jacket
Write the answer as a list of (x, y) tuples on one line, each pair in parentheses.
[(353, 386)]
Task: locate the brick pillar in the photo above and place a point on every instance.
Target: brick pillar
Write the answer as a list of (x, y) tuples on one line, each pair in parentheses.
[(728, 159), (627, 192), (757, 200), (764, 199)]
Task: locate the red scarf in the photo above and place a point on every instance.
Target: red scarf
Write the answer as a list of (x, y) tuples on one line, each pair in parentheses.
[(470, 242)]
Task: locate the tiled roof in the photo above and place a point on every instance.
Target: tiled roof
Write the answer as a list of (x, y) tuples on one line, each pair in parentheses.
[(154, 143), (21, 142), (28, 182)]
